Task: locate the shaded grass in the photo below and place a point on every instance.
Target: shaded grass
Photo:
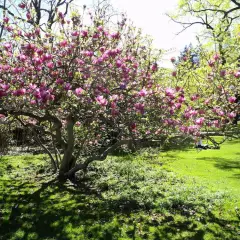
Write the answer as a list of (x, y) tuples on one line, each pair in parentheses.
[(130, 197)]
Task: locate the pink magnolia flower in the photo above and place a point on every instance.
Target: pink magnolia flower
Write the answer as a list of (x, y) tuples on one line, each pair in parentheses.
[(22, 57), (47, 57), (5, 19), (5, 87), (169, 92), (37, 61), (211, 63), (28, 15), (139, 107), (78, 124), (113, 105), (173, 59), (178, 105), (178, 88), (102, 101), (231, 115), (100, 28), (95, 36), (171, 111), (115, 35), (114, 112), (68, 86), (237, 74), (9, 28), (106, 90), (118, 63), (181, 99), (133, 126), (88, 53), (79, 91), (223, 73), (7, 46), (232, 99), (22, 5), (135, 65), (75, 34), (63, 43), (193, 129), (216, 123), (154, 67), (114, 97), (207, 101), (59, 81), (201, 112), (61, 15), (221, 113), (193, 113), (84, 33), (143, 92), (19, 92), (50, 65), (40, 52), (200, 121), (183, 129), (33, 102), (174, 73), (45, 95), (37, 31), (194, 97), (80, 62), (102, 49), (216, 57)]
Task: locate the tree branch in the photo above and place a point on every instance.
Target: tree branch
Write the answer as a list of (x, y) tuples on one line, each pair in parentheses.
[(235, 1), (12, 14), (101, 157)]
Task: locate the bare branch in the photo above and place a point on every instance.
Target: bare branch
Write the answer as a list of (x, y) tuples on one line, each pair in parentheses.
[(235, 1)]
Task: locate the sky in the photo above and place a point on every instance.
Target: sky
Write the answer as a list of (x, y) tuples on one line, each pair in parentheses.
[(150, 16)]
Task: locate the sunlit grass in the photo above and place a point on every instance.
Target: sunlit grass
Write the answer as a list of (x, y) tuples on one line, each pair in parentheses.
[(218, 169)]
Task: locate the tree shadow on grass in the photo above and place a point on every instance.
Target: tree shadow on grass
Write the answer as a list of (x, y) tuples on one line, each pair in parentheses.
[(66, 211), (237, 175), (223, 163)]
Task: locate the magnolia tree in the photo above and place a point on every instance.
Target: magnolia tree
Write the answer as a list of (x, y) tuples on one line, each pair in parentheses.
[(93, 88), (212, 92), (89, 88)]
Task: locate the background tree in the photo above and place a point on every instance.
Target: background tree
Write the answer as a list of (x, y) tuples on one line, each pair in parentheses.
[(211, 93), (38, 13), (218, 18)]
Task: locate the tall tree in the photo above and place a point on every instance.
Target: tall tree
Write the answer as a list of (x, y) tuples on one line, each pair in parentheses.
[(216, 16), (38, 13)]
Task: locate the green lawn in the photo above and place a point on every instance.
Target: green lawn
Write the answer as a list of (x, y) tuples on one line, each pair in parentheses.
[(218, 169), (175, 195)]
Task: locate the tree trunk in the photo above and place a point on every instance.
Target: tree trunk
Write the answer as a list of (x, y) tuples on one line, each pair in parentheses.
[(67, 161)]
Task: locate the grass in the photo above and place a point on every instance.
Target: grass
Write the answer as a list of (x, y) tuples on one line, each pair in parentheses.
[(218, 169), (174, 195)]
